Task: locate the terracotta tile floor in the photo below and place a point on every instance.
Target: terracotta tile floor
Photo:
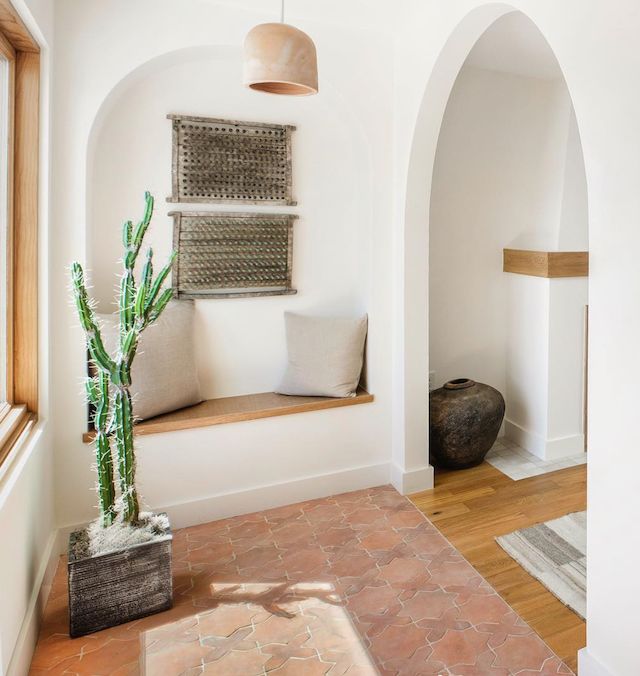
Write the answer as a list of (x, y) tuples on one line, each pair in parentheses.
[(356, 584)]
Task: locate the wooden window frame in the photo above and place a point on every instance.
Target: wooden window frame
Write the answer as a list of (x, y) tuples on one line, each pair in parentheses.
[(18, 46)]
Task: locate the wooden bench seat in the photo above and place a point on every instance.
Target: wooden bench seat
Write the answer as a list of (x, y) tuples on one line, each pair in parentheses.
[(238, 409)]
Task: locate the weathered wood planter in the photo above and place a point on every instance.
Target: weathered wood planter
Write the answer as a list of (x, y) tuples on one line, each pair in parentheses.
[(116, 587)]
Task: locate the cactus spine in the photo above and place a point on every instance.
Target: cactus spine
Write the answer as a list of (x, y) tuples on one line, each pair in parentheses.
[(138, 306)]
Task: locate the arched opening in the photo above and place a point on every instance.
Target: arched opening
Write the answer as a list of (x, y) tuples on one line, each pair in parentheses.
[(443, 220), (509, 175)]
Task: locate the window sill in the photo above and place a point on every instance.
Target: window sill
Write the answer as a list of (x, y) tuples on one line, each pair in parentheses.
[(15, 423), (240, 409)]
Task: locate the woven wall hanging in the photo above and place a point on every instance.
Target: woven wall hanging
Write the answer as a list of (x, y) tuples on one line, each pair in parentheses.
[(232, 255), (225, 161)]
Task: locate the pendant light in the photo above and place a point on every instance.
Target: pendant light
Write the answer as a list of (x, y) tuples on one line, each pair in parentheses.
[(280, 59)]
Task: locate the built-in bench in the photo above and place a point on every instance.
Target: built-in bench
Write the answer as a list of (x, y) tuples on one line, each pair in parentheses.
[(238, 409)]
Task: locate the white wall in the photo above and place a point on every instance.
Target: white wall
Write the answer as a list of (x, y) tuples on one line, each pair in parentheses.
[(505, 154), (27, 515), (573, 235), (567, 301), (27, 529), (565, 426), (491, 190), (599, 57), (116, 86)]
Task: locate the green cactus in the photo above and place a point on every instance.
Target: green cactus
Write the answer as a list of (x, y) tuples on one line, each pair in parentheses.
[(138, 306)]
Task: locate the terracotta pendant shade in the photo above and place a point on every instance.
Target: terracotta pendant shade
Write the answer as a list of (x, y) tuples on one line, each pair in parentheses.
[(280, 59)]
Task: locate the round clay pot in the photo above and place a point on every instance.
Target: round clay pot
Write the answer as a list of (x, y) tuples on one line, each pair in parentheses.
[(464, 421)]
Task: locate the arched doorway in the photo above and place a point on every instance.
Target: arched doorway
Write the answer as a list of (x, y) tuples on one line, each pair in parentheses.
[(509, 180), (412, 471)]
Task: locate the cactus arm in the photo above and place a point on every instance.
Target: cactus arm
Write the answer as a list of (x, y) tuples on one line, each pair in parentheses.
[(147, 272), (156, 310), (91, 390), (126, 300), (99, 354), (126, 459), (141, 228), (159, 281), (133, 249), (102, 403), (128, 342), (138, 306), (127, 229), (88, 321), (129, 347)]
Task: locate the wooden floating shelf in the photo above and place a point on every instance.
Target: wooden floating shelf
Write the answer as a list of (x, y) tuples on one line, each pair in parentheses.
[(547, 263), (239, 409)]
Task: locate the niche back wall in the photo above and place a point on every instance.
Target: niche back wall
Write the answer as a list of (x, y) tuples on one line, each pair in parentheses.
[(240, 342)]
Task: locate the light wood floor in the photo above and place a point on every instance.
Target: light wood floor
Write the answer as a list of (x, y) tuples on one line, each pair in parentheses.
[(470, 507)]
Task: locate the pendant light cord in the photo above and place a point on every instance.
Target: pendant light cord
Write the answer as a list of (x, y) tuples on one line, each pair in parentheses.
[(282, 11)]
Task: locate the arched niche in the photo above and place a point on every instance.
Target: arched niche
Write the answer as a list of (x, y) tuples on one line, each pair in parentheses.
[(240, 342)]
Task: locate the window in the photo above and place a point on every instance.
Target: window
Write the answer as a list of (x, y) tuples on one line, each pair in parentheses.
[(19, 112)]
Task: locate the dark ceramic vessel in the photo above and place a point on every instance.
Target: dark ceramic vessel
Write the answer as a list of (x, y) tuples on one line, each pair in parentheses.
[(464, 421)]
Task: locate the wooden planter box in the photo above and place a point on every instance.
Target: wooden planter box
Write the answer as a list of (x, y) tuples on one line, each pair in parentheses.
[(120, 586)]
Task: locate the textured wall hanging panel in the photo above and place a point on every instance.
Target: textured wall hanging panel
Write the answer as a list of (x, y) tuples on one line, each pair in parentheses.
[(232, 255), (226, 161)]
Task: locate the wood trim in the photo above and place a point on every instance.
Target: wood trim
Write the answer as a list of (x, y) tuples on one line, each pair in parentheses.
[(25, 277), (11, 427), (21, 50), (10, 240), (6, 48), (240, 409), (220, 120), (14, 29), (548, 264)]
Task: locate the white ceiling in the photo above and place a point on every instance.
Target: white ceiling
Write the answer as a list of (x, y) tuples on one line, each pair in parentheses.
[(371, 14), (514, 45)]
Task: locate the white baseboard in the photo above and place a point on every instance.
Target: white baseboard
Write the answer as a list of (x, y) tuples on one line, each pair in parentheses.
[(222, 506), (563, 447), (28, 636), (275, 495), (412, 481), (588, 665), (545, 449), (526, 439)]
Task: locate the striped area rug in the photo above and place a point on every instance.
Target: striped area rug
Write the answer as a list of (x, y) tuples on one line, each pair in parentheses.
[(555, 554)]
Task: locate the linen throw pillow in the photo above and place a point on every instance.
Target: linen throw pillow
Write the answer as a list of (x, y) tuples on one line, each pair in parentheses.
[(164, 376), (324, 355)]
